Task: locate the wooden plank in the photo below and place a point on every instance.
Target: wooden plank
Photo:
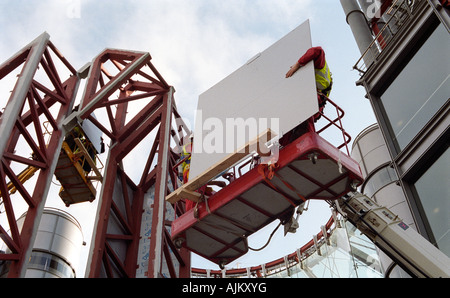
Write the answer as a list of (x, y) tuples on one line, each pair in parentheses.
[(183, 193), (187, 191)]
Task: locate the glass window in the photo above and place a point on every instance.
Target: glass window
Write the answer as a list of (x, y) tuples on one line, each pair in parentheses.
[(50, 263), (434, 194), (420, 90)]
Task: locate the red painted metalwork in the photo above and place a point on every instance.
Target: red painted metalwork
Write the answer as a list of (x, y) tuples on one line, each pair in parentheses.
[(35, 99), (117, 235), (289, 158), (135, 101), (203, 230)]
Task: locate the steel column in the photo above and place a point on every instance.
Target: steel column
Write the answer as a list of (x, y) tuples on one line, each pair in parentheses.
[(156, 242)]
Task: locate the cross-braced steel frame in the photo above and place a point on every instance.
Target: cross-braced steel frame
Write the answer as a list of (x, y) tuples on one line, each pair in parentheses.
[(117, 235), (36, 98), (134, 107)]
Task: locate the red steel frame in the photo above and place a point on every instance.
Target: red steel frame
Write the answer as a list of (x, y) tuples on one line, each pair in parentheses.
[(21, 121), (115, 254), (309, 142), (156, 114)]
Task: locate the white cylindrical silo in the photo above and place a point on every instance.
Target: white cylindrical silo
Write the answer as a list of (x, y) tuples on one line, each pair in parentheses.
[(57, 248)]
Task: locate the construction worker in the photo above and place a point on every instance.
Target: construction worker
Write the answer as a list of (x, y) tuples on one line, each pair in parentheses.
[(324, 80), (185, 156), (324, 84), (186, 165)]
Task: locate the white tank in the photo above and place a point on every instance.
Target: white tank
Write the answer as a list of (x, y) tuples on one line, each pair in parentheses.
[(56, 251)]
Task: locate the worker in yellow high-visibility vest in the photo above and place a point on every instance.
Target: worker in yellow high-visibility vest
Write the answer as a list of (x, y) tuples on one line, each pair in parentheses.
[(324, 83), (183, 173), (324, 79), (186, 165)]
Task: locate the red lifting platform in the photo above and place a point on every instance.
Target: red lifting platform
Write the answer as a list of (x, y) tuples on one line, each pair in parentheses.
[(309, 168)]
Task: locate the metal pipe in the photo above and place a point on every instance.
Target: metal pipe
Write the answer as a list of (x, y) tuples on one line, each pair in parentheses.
[(360, 28)]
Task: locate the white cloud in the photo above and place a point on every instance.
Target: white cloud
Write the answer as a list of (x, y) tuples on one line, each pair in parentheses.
[(194, 43)]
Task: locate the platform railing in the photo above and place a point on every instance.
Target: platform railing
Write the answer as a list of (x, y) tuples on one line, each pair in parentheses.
[(331, 119), (337, 123), (393, 18)]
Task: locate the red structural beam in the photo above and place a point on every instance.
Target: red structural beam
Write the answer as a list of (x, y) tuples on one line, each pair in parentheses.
[(374, 21), (27, 109), (132, 79), (135, 80)]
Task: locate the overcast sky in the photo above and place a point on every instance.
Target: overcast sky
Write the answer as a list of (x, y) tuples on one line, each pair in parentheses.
[(195, 44)]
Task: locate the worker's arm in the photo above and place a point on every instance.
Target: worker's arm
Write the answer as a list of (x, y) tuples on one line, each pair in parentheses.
[(293, 70), (316, 54)]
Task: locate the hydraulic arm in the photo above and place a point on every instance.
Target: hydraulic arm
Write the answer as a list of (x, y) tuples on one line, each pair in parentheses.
[(404, 245)]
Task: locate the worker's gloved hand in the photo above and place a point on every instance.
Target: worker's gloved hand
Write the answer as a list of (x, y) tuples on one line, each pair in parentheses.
[(293, 70)]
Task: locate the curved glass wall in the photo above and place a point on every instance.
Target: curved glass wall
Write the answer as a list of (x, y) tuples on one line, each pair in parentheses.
[(46, 262), (347, 255)]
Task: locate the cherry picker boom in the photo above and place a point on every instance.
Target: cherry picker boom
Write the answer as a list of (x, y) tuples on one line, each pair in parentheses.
[(404, 245)]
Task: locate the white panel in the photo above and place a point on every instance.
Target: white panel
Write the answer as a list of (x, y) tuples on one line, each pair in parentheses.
[(257, 91), (93, 133)]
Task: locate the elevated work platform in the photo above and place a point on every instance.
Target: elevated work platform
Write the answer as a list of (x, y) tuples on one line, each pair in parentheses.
[(75, 185), (77, 164), (308, 168)]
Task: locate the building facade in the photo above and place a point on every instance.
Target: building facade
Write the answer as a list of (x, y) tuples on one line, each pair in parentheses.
[(405, 70)]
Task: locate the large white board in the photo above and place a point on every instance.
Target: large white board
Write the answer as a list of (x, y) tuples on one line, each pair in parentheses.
[(258, 93)]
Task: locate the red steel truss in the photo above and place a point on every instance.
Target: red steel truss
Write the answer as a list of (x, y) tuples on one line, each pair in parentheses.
[(134, 107), (118, 228), (39, 95)]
